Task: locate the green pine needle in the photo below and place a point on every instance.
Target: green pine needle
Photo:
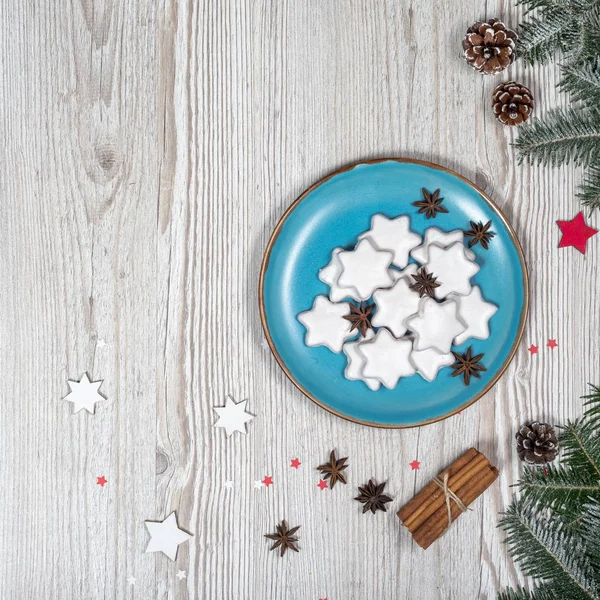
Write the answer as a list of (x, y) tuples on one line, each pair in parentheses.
[(582, 81), (564, 136), (544, 548), (522, 594), (553, 529), (571, 28)]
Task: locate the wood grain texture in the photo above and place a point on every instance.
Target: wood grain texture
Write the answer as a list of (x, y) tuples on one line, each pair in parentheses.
[(148, 150)]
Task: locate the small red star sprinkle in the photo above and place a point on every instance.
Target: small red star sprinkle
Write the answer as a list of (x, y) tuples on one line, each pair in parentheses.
[(575, 233), (295, 463), (322, 484), (533, 349), (268, 480), (552, 344), (414, 465), (102, 481)]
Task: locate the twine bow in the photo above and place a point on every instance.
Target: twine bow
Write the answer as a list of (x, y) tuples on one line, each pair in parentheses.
[(450, 495)]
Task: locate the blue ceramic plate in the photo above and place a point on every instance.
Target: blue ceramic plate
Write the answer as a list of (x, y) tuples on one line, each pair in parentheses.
[(332, 213)]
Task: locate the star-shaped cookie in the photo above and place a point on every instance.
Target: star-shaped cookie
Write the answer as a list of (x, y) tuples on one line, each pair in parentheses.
[(433, 235), (365, 269), (475, 312), (429, 362), (436, 325), (330, 275), (356, 362), (393, 235), (411, 269), (452, 269), (395, 306), (387, 358), (325, 324)]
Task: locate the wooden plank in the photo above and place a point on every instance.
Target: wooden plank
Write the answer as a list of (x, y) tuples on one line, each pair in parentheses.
[(149, 151)]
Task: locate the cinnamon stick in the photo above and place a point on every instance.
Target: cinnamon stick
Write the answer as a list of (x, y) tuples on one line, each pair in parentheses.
[(431, 488), (437, 524), (469, 471)]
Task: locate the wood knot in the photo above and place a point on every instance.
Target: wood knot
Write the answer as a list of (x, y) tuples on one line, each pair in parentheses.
[(106, 156), (162, 462)]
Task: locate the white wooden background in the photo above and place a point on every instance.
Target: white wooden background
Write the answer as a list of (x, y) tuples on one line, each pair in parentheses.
[(148, 149)]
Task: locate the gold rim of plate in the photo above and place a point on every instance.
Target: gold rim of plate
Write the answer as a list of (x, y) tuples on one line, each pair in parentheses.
[(277, 231)]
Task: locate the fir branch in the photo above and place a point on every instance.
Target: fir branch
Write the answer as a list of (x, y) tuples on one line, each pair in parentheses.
[(544, 548), (581, 448), (592, 404), (565, 489), (540, 38), (589, 190), (591, 528), (564, 136), (523, 594), (582, 81), (590, 34)]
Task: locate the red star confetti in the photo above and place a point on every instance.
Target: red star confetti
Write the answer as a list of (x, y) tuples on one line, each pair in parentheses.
[(322, 484), (533, 349), (268, 480), (575, 233), (552, 344), (295, 463), (414, 465), (101, 481)]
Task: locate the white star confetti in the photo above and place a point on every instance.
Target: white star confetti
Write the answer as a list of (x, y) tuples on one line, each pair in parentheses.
[(258, 484), (84, 394), (229, 484), (131, 580), (232, 416), (180, 575), (165, 536)]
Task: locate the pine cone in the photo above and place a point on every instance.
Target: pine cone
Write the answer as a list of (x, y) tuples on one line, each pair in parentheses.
[(537, 443), (513, 103), (489, 47)]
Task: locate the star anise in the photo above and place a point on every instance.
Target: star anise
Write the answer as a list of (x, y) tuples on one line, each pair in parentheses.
[(360, 317), (467, 365), (424, 283), (480, 234), (372, 497), (333, 469), (284, 538), (431, 204)]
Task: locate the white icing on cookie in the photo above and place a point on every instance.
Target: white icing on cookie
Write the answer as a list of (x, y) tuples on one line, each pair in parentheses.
[(436, 325), (330, 275), (393, 235), (394, 306), (452, 269), (387, 359), (365, 269), (356, 362), (433, 235), (428, 362), (325, 324), (476, 313)]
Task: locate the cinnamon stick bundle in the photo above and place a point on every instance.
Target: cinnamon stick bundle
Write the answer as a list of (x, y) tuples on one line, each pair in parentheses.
[(431, 512)]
